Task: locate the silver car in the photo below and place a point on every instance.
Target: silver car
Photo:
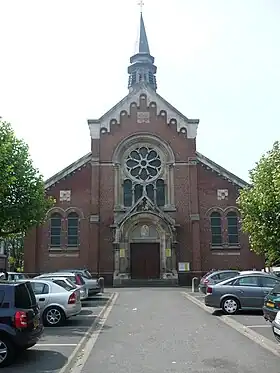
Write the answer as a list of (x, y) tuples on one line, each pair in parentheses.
[(75, 278), (66, 283), (92, 285), (243, 292), (55, 302)]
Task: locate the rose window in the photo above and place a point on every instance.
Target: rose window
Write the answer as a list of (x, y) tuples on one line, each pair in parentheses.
[(143, 164)]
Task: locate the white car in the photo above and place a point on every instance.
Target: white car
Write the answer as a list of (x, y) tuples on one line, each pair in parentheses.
[(55, 302), (66, 283), (75, 278)]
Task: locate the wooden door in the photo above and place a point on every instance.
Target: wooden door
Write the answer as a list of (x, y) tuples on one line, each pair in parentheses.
[(145, 260)]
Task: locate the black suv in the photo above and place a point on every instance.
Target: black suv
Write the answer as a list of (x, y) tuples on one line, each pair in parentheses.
[(20, 323)]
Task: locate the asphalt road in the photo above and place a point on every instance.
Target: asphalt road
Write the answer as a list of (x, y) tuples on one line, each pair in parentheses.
[(160, 331), (51, 354)]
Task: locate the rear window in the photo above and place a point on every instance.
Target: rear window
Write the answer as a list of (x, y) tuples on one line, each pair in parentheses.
[(20, 276), (71, 278), (24, 296), (87, 274), (226, 275), (65, 285)]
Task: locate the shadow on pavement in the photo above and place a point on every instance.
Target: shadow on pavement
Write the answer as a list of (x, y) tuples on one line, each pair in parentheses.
[(93, 302), (38, 361), (241, 312)]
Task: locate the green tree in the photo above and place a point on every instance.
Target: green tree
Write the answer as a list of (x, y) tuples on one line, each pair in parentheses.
[(23, 203), (260, 207)]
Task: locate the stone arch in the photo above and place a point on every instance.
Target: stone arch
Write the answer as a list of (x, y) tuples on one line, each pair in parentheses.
[(214, 209), (75, 209), (55, 209), (143, 137), (144, 218), (232, 209)]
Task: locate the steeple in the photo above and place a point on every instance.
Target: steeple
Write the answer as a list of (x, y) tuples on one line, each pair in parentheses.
[(142, 68)]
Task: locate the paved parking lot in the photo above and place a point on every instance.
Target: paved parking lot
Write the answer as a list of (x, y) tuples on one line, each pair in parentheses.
[(253, 320), (59, 343)]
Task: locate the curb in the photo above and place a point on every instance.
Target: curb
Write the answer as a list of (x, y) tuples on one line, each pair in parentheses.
[(77, 353), (242, 329)]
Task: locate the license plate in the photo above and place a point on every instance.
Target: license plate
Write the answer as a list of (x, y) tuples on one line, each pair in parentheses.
[(36, 323), (269, 304), (276, 331)]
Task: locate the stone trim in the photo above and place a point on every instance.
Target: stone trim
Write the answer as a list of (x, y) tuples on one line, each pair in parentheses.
[(206, 162), (81, 162), (173, 116), (221, 171)]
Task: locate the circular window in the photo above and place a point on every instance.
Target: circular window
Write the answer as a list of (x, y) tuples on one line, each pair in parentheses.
[(143, 164)]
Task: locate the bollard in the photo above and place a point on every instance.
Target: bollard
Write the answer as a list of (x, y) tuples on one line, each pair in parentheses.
[(101, 284), (194, 284)]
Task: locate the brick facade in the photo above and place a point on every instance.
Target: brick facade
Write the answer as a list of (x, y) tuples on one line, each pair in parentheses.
[(93, 186)]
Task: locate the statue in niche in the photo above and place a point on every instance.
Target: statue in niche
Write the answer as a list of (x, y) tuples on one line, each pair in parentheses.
[(145, 231)]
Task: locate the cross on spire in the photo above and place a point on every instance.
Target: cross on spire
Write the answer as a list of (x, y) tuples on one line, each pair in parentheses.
[(141, 4)]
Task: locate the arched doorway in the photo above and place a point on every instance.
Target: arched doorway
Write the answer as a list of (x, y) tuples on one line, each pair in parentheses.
[(144, 248), (145, 254)]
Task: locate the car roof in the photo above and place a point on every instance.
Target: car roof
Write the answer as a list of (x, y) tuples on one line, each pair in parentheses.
[(252, 272), (60, 274), (223, 271), (12, 283), (60, 277), (35, 280)]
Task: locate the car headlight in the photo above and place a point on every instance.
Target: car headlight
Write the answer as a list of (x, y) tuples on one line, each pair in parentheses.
[(277, 318)]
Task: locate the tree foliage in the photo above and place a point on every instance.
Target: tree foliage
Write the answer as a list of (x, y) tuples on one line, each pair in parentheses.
[(260, 207), (23, 202)]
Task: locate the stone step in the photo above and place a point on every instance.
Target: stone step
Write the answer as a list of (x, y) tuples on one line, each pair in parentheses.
[(147, 283)]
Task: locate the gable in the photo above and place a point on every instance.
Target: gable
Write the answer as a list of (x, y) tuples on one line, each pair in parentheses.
[(104, 123), (206, 162), (67, 171)]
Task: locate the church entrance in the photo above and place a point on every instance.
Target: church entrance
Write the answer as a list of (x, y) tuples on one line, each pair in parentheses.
[(145, 260)]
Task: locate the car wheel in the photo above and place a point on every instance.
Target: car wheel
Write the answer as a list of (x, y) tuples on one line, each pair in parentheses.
[(7, 352), (54, 316), (230, 306)]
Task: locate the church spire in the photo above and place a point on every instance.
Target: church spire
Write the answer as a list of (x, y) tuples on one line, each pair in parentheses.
[(142, 68)]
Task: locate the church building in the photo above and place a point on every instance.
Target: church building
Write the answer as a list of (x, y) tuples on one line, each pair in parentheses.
[(144, 204)]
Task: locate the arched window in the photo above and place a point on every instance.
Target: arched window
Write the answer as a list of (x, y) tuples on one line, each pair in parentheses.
[(232, 222), (127, 193), (73, 229), (216, 229), (55, 229), (143, 166), (160, 192)]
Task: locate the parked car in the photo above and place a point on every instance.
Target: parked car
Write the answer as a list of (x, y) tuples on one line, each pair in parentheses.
[(214, 277), (272, 304), (67, 284), (242, 292), (14, 276), (276, 327), (76, 278), (20, 323), (91, 283), (55, 302)]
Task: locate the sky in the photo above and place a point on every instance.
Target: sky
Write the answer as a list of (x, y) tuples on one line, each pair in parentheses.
[(63, 62)]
